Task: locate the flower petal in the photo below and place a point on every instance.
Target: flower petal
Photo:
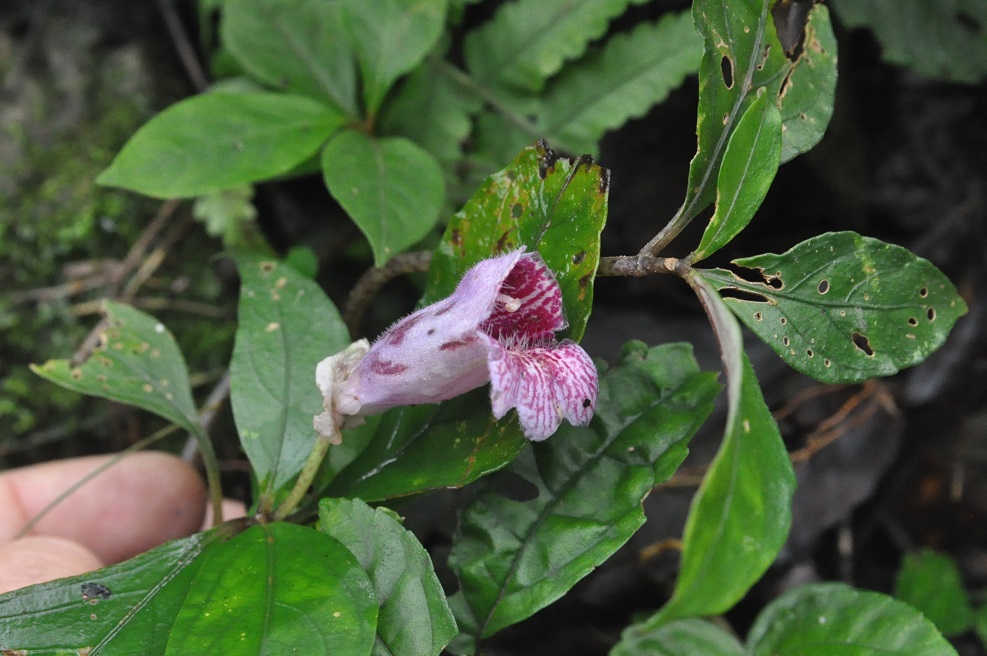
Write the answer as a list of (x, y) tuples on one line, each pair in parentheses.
[(434, 354), (545, 384), (530, 307)]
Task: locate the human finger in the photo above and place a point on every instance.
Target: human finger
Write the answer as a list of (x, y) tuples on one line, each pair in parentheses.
[(138, 503), (40, 558)]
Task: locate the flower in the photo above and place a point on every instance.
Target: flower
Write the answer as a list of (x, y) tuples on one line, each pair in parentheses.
[(499, 327)]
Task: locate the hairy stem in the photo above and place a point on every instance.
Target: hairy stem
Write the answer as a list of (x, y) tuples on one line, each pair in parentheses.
[(307, 475), (372, 280)]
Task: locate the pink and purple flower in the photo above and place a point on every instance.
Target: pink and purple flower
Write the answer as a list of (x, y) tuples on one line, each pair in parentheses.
[(499, 327)]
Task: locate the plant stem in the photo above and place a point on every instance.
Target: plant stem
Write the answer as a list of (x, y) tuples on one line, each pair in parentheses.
[(305, 478), (211, 465), (372, 280), (637, 266)]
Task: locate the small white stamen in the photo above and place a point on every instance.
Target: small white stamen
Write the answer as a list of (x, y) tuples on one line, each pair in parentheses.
[(510, 304)]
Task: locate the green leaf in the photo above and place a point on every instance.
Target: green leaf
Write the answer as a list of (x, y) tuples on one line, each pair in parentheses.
[(286, 326), (294, 45), (832, 618), (622, 80), (391, 188), (414, 618), (427, 447), (390, 37), (541, 201), (743, 54), (215, 141), (844, 308), (806, 96), (690, 637), (433, 111), (516, 557), (980, 623), (276, 589), (136, 362), (931, 583), (941, 40), (113, 608), (749, 166), (741, 514), (528, 41)]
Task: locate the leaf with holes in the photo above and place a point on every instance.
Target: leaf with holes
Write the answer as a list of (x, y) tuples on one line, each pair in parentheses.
[(749, 165), (427, 447), (843, 308), (304, 47), (137, 362), (808, 91), (689, 637), (833, 618), (390, 37), (743, 54), (391, 188), (286, 326), (584, 489), (414, 617), (555, 205), (219, 140)]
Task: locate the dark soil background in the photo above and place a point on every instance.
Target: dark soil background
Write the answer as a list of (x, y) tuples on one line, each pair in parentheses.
[(884, 468)]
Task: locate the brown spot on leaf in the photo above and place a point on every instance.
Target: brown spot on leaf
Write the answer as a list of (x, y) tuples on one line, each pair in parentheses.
[(578, 258), (583, 285), (456, 239), (503, 242)]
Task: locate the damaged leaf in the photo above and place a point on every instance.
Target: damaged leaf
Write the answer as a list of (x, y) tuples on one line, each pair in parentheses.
[(843, 308), (137, 362), (547, 203), (743, 54)]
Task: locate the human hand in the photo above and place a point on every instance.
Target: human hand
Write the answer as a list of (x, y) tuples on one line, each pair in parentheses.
[(138, 503)]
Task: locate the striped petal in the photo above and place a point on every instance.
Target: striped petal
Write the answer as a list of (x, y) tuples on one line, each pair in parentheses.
[(545, 384)]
